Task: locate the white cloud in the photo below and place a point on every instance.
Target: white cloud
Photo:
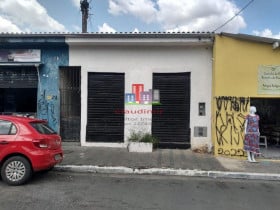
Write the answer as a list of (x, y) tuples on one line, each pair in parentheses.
[(182, 15), (267, 33), (8, 26), (135, 30), (143, 9), (76, 3), (106, 28), (76, 28), (199, 15), (28, 15)]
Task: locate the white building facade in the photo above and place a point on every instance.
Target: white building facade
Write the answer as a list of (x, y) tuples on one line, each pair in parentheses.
[(155, 83)]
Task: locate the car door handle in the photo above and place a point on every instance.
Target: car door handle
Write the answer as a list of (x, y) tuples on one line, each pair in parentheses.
[(4, 142)]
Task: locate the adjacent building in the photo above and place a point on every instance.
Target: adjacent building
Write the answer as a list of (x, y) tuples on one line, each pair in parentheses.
[(29, 75), (246, 71)]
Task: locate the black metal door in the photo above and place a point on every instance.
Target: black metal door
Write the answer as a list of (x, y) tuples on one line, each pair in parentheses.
[(171, 119), (105, 97), (70, 103)]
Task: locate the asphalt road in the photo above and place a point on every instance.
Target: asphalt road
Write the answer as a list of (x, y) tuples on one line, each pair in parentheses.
[(61, 190)]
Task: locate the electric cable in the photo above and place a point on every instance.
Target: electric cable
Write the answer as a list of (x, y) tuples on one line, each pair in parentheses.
[(234, 15)]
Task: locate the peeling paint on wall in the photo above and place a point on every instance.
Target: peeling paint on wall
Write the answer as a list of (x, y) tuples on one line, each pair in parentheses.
[(48, 88), (54, 53)]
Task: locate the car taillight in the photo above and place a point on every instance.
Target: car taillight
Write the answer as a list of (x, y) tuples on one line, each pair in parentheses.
[(40, 143)]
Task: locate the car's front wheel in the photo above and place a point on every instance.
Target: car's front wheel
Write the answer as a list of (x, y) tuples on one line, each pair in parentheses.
[(16, 170)]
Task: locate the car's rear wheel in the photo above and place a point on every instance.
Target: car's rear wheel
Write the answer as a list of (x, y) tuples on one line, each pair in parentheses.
[(16, 170)]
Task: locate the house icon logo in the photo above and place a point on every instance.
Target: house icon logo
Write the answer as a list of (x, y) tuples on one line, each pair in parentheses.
[(140, 96)]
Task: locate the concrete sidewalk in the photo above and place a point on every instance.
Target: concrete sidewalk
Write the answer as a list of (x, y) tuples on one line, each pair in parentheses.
[(164, 162)]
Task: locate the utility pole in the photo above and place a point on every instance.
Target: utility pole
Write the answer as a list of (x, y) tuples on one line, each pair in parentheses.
[(84, 8)]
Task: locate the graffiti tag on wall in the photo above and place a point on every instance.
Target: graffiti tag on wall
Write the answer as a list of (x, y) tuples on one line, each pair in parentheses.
[(229, 125), (46, 109)]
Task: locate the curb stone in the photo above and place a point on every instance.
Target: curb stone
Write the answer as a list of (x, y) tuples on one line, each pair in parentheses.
[(167, 171)]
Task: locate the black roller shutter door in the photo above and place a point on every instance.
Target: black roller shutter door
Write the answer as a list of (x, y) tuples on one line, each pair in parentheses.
[(172, 126), (105, 96), (18, 77), (18, 89)]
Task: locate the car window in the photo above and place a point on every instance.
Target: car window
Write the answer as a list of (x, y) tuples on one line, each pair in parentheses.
[(7, 128), (42, 128)]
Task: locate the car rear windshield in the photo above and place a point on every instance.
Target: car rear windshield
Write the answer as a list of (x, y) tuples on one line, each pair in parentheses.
[(42, 128)]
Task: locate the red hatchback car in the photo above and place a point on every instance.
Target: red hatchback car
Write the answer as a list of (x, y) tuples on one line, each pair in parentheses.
[(27, 145)]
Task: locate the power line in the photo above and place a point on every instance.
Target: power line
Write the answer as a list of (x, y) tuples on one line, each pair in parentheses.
[(234, 15)]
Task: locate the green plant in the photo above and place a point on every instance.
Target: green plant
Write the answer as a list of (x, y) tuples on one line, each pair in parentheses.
[(135, 136), (147, 137), (139, 136)]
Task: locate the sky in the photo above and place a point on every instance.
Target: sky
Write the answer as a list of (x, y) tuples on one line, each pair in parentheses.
[(260, 17)]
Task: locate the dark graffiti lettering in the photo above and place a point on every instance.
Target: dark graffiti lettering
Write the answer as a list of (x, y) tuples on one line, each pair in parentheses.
[(229, 123), (52, 113), (231, 152), (237, 104), (43, 104), (46, 108)]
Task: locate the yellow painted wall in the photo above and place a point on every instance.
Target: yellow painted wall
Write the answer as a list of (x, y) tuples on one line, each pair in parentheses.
[(235, 80), (236, 65)]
